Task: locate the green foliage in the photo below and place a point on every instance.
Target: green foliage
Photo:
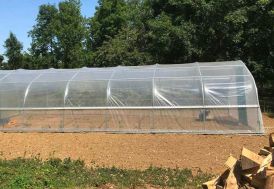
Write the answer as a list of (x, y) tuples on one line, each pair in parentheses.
[(259, 41), (134, 32), (44, 46), (70, 33), (67, 173), (109, 18), (13, 52), (169, 42), (1, 59), (122, 50), (58, 36), (189, 31), (186, 31)]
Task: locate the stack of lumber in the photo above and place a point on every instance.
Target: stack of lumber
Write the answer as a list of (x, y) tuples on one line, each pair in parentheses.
[(251, 171)]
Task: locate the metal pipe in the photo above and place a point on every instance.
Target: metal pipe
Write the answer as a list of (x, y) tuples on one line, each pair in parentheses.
[(131, 107)]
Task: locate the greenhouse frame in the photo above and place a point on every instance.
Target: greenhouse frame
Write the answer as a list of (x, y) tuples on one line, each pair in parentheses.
[(205, 98)]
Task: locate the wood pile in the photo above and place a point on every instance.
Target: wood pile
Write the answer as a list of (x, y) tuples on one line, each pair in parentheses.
[(251, 171)]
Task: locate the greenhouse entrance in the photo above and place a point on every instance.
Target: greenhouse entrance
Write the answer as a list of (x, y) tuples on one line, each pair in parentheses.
[(207, 98)]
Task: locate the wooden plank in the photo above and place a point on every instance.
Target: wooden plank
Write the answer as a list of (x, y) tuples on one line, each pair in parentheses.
[(231, 181), (264, 152), (211, 184), (247, 186), (219, 187), (269, 171), (250, 159), (250, 172), (267, 161), (223, 177), (268, 148), (256, 181), (271, 139), (231, 162), (259, 172), (234, 176), (269, 182), (271, 150)]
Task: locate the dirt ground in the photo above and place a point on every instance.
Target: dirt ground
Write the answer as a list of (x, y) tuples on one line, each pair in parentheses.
[(222, 120), (205, 152)]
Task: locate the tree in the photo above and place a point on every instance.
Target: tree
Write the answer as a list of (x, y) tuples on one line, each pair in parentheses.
[(134, 32), (188, 31), (170, 33), (1, 59), (109, 18), (2, 64), (58, 36), (44, 38), (30, 62), (71, 34), (122, 50), (258, 48), (13, 52)]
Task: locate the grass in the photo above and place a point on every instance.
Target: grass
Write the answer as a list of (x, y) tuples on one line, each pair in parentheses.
[(270, 114), (55, 173)]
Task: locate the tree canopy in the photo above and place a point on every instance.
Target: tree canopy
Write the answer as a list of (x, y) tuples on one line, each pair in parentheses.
[(139, 32), (13, 51)]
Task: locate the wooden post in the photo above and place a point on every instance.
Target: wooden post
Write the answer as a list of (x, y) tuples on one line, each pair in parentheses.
[(269, 182), (271, 139)]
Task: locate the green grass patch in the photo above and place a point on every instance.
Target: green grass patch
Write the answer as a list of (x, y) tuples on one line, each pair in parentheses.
[(270, 114), (67, 173)]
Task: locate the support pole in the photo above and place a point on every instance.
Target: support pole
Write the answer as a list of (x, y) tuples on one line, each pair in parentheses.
[(241, 99)]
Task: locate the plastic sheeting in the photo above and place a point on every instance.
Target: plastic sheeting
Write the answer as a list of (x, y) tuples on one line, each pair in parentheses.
[(219, 97)]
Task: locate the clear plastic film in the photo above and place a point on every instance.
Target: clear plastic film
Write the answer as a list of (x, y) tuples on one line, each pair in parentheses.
[(217, 97)]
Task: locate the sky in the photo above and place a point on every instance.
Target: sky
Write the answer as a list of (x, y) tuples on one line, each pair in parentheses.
[(18, 16)]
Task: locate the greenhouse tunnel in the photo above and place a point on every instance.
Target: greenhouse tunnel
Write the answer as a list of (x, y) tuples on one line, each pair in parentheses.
[(207, 98)]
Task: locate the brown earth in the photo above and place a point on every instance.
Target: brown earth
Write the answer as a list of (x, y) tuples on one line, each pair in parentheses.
[(205, 152), (225, 120)]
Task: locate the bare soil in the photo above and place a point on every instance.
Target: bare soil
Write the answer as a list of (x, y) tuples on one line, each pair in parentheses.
[(134, 151), (130, 121)]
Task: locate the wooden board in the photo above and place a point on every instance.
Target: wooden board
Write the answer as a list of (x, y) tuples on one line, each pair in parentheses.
[(271, 139), (211, 184), (264, 152), (250, 159), (231, 181), (269, 182), (269, 171), (231, 162)]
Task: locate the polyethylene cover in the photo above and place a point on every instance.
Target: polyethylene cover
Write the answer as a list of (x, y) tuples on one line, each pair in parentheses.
[(202, 88)]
